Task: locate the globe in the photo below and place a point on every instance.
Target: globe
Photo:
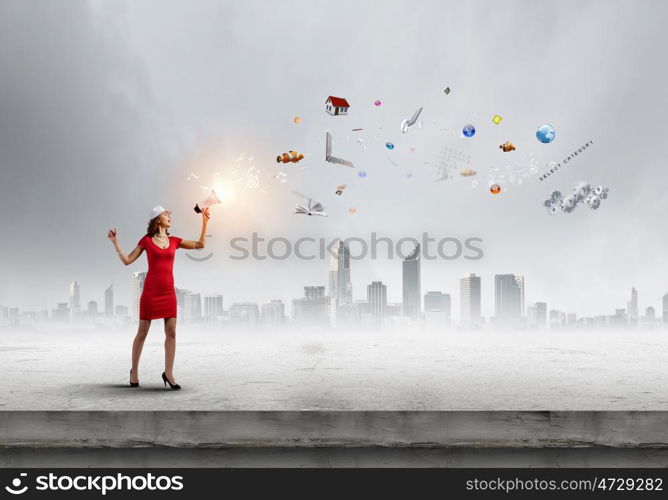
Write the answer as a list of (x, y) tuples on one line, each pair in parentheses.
[(546, 133)]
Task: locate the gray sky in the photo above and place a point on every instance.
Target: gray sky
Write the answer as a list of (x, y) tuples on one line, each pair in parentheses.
[(107, 107)]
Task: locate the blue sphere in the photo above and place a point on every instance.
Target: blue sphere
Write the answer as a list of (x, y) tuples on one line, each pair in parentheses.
[(468, 131), (546, 133)]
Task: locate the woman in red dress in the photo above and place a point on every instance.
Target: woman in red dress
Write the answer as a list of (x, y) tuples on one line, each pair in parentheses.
[(158, 298)]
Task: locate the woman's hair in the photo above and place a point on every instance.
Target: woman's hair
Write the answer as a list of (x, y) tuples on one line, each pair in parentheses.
[(153, 227)]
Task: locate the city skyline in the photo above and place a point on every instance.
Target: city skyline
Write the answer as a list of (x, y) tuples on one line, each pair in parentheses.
[(317, 306)]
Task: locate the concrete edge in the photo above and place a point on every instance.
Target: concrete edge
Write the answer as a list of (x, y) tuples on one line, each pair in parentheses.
[(333, 429)]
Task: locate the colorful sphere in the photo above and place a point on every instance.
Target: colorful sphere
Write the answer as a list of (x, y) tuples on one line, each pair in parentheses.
[(377, 103), (361, 174), (298, 119), (389, 145), (546, 133), (495, 189), (352, 210), (468, 130)]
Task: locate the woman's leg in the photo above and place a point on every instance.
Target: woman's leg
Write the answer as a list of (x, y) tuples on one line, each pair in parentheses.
[(170, 347), (137, 346)]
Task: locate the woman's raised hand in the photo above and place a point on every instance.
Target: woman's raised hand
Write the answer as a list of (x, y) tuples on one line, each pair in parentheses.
[(205, 214), (112, 235)]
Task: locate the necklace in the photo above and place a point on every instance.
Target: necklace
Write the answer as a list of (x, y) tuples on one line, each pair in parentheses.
[(160, 240)]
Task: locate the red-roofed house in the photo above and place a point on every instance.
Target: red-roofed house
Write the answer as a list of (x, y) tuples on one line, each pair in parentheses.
[(336, 106)]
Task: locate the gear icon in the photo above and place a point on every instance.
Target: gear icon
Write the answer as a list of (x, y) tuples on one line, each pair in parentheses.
[(581, 190)]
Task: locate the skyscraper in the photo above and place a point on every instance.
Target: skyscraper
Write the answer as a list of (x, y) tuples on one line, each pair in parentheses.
[(340, 287), (537, 315), (632, 308), (92, 308), (109, 301), (411, 284), (376, 294), (137, 287), (75, 299), (313, 308), (469, 300), (244, 314), (192, 307), (665, 309), (273, 313), (436, 310), (437, 301), (509, 298), (213, 307)]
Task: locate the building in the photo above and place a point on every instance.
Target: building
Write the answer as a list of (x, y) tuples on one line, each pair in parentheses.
[(376, 296), (436, 310), (75, 300), (650, 320), (137, 285), (362, 315), (620, 319), (665, 309), (537, 315), (121, 311), (61, 312), (336, 106), (244, 314), (14, 316), (92, 309), (411, 297), (273, 313), (557, 319), (109, 301), (393, 309), (340, 287), (213, 308), (632, 308), (4, 315), (42, 316), (192, 307), (508, 299), (28, 317), (601, 321), (469, 300), (313, 308)]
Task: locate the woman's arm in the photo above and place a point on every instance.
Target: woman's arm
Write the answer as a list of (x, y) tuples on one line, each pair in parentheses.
[(131, 257), (125, 259), (193, 245)]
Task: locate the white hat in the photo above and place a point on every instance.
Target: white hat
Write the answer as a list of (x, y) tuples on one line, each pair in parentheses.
[(155, 211)]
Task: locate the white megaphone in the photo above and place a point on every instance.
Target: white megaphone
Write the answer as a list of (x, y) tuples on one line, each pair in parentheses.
[(212, 199)]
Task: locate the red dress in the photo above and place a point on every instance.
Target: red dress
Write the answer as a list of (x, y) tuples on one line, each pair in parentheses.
[(158, 299)]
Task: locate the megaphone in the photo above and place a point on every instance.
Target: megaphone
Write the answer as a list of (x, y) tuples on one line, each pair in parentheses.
[(212, 199)]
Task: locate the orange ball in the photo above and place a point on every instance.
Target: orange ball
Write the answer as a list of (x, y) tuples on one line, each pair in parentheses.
[(495, 189), (298, 119)]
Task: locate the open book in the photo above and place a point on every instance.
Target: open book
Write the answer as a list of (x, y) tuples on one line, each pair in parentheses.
[(311, 208), (328, 153)]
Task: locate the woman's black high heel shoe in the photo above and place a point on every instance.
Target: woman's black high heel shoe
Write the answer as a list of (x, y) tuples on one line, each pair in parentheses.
[(133, 384), (166, 381)]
